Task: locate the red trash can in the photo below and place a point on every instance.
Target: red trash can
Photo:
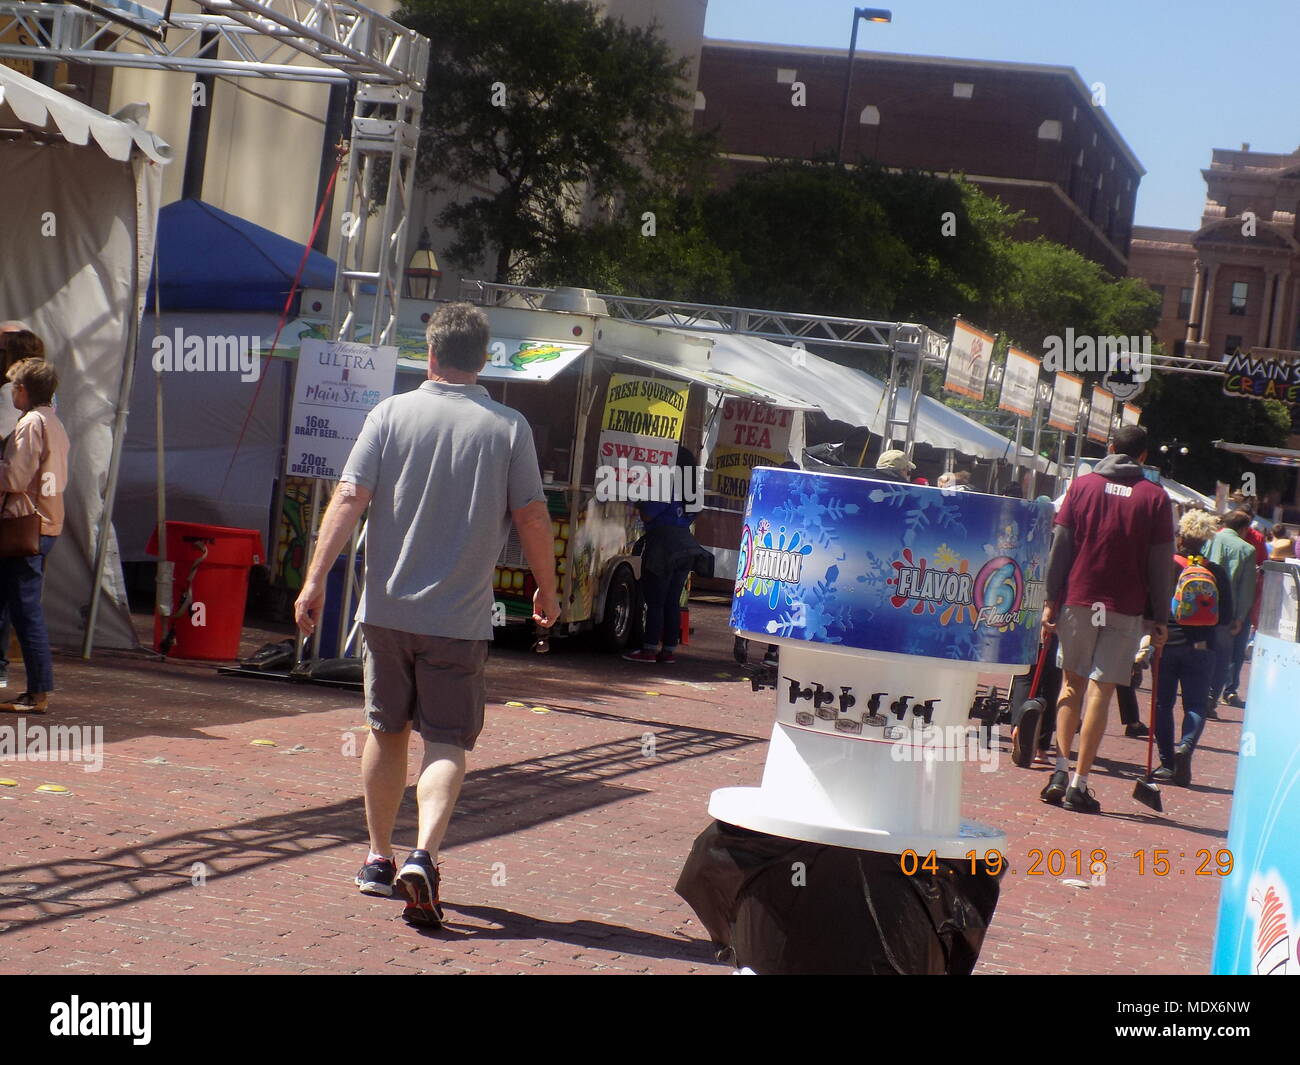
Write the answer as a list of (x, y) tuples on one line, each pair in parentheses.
[(210, 627)]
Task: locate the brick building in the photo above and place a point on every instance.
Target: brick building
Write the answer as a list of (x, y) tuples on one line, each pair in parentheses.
[(1029, 135), (1235, 282)]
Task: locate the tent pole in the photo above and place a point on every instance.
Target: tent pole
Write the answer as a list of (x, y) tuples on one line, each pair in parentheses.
[(1035, 442), (163, 582), (114, 465)]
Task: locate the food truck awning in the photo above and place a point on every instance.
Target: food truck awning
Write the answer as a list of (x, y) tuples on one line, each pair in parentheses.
[(722, 382), (1271, 456), (513, 358)]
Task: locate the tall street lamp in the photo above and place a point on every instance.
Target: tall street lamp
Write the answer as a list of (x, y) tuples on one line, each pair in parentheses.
[(1173, 451), (871, 14)]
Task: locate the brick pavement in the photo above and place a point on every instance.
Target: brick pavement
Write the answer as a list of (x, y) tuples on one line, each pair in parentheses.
[(194, 850)]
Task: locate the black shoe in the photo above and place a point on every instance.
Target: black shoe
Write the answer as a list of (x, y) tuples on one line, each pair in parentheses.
[(740, 650), (1212, 715), (1233, 699), (1136, 732), (1164, 774), (1056, 788), (420, 882), (1080, 800), (376, 878), (1182, 775)]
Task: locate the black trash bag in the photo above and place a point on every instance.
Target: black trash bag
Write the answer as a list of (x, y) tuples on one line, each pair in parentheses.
[(840, 911)]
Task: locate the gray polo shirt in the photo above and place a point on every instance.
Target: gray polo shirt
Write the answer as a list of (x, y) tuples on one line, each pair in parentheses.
[(446, 465)]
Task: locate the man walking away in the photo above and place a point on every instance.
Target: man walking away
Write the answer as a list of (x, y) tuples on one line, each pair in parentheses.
[(443, 469), (1109, 566)]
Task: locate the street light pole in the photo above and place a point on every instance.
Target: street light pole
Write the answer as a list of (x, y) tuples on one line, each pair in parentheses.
[(871, 14)]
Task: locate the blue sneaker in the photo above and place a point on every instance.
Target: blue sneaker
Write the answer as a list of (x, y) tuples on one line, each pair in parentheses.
[(420, 883)]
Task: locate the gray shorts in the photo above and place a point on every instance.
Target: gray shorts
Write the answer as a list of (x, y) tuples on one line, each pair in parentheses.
[(434, 683), (1103, 653)]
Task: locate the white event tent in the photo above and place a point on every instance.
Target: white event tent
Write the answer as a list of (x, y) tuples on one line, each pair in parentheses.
[(81, 193)]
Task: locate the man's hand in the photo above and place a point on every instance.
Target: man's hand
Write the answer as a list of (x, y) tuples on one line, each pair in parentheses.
[(1159, 634), (1234, 628), (546, 608), (1049, 623), (307, 607)]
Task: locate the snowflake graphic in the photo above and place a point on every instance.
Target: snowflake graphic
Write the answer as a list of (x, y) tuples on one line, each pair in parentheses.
[(813, 505), (923, 511)]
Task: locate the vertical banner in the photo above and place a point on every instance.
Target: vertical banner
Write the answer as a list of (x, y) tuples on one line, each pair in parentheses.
[(969, 356), (751, 434), (641, 426), (1019, 384), (1099, 415), (1067, 393), (1130, 414), (336, 386)]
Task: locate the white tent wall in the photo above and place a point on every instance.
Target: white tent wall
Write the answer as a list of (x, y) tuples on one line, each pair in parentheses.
[(77, 229), (203, 415)]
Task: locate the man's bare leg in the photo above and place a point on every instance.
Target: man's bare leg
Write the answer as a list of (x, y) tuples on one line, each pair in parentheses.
[(383, 778), (1068, 706), (1096, 709), (437, 790)]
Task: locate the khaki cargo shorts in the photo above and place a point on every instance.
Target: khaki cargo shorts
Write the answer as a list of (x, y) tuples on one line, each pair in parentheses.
[(433, 683), (1099, 652)]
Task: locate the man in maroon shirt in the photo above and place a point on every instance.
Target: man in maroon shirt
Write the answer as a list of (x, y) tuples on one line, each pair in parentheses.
[(1108, 570)]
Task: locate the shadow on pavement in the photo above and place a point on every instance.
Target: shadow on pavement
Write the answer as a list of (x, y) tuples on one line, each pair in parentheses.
[(495, 801), (613, 938)]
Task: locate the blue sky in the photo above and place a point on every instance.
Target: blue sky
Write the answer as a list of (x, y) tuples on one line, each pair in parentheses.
[(1228, 73)]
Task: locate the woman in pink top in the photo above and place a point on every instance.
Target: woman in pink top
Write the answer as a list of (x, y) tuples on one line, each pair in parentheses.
[(33, 476)]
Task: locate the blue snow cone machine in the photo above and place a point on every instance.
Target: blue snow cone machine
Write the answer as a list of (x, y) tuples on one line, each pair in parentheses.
[(886, 600)]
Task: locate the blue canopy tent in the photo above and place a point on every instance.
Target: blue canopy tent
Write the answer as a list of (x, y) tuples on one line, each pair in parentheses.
[(211, 260), (223, 280)]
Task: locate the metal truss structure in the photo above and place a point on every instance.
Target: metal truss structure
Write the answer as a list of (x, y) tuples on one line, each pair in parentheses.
[(340, 40), (910, 346)]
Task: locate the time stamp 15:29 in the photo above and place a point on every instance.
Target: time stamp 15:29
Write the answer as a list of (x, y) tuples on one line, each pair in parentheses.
[(1057, 862)]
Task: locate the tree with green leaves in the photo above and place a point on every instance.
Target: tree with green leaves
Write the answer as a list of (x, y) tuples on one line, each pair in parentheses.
[(540, 112)]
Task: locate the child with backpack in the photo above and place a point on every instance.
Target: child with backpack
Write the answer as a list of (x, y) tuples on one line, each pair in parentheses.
[(1201, 603)]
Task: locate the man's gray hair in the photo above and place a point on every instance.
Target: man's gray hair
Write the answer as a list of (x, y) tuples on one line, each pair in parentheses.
[(459, 334)]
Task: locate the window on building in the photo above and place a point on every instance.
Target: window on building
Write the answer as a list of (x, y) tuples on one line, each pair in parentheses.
[(963, 90), (1159, 290), (1180, 347), (1184, 303), (870, 116), (1231, 343), (1240, 297), (1050, 130)]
